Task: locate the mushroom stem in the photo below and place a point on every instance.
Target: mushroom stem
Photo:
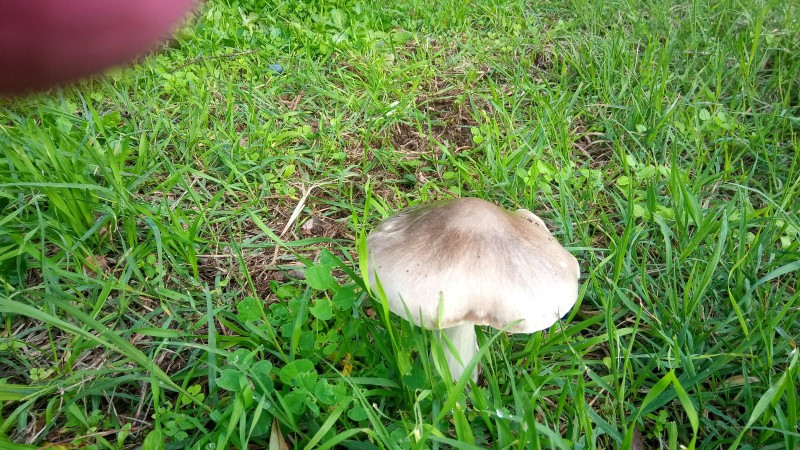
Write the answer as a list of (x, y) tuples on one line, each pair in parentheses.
[(465, 343)]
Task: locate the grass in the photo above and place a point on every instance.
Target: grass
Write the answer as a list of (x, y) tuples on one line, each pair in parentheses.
[(179, 240)]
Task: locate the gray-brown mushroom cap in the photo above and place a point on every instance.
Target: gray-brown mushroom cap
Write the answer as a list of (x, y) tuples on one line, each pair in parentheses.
[(484, 264)]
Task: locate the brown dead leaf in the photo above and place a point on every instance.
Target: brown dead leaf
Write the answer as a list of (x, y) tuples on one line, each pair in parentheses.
[(276, 440), (638, 440), (312, 227), (96, 265)]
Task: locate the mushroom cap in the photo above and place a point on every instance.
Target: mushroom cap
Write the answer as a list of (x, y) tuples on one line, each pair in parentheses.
[(468, 260)]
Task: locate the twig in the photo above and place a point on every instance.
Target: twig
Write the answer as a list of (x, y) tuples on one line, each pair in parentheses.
[(295, 214)]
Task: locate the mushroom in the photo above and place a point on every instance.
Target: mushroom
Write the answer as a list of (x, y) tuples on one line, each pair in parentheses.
[(457, 263)]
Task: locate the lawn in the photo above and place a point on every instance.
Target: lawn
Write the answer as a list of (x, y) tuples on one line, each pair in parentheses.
[(180, 240)]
